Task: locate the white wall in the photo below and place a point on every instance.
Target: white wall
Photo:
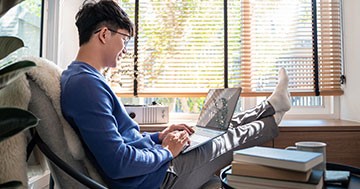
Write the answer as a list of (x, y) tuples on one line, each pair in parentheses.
[(68, 35), (350, 101)]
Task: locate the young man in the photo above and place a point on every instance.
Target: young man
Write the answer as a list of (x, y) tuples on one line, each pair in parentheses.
[(124, 157)]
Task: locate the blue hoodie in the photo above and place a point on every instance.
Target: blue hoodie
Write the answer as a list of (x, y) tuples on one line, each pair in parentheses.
[(125, 157)]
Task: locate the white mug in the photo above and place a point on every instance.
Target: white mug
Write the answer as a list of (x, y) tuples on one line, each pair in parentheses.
[(312, 146)]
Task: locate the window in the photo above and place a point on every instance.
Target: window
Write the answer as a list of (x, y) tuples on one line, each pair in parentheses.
[(24, 22), (179, 49), (281, 34), (184, 48)]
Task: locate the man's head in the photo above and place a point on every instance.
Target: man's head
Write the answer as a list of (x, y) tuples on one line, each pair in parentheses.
[(105, 13), (104, 30)]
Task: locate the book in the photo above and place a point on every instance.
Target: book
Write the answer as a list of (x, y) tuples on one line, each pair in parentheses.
[(337, 178), (262, 171), (315, 182), (280, 158)]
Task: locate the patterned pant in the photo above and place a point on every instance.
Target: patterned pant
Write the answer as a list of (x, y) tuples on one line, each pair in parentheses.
[(248, 128)]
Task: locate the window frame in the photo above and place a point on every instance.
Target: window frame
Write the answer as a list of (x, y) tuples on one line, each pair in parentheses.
[(329, 111), (51, 25), (28, 49)]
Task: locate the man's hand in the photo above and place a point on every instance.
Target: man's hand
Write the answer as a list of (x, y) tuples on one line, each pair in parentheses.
[(177, 127), (175, 141)]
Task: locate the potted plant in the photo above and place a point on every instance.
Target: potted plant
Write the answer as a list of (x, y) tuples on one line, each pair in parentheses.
[(12, 120)]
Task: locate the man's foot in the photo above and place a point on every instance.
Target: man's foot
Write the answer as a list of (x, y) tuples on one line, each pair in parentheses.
[(280, 98)]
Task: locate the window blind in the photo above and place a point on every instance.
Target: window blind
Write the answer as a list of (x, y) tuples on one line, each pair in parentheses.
[(330, 46), (179, 47), (280, 33)]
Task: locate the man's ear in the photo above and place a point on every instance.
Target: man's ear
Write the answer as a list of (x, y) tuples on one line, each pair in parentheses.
[(103, 34)]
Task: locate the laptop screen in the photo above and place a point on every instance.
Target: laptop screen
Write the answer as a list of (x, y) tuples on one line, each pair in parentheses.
[(218, 108)]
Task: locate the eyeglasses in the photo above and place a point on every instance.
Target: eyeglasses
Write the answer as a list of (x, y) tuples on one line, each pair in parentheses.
[(127, 37)]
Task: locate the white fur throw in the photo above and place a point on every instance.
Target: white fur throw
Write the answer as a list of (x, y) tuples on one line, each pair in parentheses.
[(47, 75), (18, 94)]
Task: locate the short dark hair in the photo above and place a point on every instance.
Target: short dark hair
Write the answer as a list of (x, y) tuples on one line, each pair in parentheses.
[(93, 15)]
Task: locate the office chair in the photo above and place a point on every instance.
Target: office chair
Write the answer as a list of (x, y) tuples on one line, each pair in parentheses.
[(54, 136), (69, 166)]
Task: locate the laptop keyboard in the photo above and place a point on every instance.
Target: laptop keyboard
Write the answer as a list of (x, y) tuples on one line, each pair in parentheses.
[(206, 132), (202, 135), (198, 138)]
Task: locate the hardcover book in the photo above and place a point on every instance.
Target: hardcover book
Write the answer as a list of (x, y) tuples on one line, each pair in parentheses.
[(280, 158), (315, 182), (262, 171)]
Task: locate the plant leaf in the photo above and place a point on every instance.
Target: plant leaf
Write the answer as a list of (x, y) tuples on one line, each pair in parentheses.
[(10, 71), (6, 5), (11, 184), (15, 120), (9, 44)]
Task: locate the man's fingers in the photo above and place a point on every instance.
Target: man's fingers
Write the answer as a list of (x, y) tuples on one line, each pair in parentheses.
[(184, 137), (187, 128), (185, 140), (179, 136)]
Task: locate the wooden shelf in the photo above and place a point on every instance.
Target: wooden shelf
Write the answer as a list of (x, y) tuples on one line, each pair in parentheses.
[(342, 138)]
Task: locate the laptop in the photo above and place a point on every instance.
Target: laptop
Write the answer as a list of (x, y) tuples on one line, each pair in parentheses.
[(215, 116)]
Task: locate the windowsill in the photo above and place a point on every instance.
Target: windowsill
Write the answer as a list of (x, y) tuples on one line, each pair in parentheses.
[(319, 125), (285, 125)]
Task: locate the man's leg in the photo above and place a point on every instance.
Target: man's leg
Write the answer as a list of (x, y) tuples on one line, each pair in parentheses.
[(264, 109), (250, 128), (277, 104), (193, 169)]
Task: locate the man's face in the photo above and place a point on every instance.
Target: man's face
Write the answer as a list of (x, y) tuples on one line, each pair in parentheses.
[(121, 37), (113, 45)]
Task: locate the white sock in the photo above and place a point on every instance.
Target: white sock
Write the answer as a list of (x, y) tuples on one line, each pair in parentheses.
[(278, 116), (280, 98)]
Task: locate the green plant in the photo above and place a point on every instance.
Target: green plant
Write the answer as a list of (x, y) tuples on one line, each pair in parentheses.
[(12, 120), (15, 120), (11, 70)]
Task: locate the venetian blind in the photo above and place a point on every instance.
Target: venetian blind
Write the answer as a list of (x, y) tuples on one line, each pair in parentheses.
[(279, 33), (180, 47)]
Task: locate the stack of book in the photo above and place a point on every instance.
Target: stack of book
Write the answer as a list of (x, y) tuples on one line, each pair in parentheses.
[(263, 167)]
